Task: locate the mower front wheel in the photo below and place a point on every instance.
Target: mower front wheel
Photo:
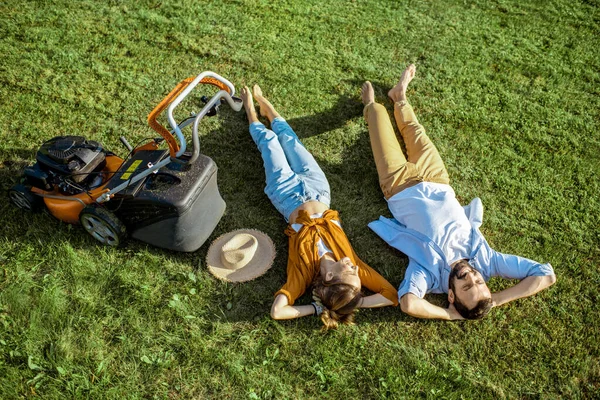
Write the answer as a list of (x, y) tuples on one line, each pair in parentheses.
[(103, 225), (21, 197)]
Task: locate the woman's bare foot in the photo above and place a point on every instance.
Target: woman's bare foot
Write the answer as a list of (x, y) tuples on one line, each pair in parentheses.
[(248, 101), (398, 92), (266, 108), (367, 93)]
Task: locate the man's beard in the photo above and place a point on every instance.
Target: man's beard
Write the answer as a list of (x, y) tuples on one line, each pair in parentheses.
[(460, 265)]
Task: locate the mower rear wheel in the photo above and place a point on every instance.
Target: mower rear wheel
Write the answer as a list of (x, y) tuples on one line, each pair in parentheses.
[(103, 225), (21, 197)]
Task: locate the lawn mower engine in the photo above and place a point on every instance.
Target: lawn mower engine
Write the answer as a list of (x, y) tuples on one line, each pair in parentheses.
[(70, 163), (166, 197)]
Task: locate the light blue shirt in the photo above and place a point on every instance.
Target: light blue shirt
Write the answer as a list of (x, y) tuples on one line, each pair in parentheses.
[(428, 268)]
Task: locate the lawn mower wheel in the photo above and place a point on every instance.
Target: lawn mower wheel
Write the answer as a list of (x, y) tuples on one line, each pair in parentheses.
[(21, 197), (103, 225)]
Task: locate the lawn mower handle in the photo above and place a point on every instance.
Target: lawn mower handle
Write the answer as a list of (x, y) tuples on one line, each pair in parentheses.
[(186, 92), (173, 99), (236, 105)]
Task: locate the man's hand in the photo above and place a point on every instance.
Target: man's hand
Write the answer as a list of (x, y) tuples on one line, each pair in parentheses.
[(454, 315), (494, 300)]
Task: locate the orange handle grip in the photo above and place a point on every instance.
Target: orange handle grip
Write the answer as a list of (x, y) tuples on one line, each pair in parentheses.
[(164, 132)]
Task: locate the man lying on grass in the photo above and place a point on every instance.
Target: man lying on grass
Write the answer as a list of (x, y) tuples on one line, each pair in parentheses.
[(447, 253)]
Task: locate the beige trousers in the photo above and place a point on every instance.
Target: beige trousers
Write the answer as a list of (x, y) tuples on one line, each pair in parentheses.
[(395, 171)]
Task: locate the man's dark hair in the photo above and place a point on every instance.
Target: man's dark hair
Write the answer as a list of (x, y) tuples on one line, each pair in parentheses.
[(479, 311)]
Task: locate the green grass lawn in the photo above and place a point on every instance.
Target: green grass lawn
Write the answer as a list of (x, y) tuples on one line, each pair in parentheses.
[(508, 91)]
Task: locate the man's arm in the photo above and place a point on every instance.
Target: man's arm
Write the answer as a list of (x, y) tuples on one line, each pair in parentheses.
[(533, 276), (527, 287), (417, 281), (421, 308)]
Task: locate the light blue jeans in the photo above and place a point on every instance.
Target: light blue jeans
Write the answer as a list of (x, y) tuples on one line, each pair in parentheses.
[(293, 176)]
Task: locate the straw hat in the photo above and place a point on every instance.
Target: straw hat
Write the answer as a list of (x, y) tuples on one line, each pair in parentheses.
[(240, 255)]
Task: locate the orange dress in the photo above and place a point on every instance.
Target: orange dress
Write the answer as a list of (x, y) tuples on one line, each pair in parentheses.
[(304, 263)]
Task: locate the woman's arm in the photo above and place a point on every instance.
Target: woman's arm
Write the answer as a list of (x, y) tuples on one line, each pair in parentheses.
[(282, 310), (376, 283), (375, 300)]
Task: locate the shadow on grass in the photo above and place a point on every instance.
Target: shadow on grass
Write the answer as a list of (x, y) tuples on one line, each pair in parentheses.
[(14, 162), (343, 110)]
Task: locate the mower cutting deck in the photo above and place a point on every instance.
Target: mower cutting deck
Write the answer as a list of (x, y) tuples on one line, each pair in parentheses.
[(166, 197)]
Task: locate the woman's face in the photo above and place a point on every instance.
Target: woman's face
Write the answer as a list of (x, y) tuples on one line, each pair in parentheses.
[(342, 271)]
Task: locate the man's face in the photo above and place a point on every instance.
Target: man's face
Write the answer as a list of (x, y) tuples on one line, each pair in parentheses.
[(342, 271), (467, 285)]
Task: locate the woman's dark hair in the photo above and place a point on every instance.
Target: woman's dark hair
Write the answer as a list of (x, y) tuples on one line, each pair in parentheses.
[(339, 301)]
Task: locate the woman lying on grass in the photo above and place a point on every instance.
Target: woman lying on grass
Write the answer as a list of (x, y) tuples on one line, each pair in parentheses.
[(319, 251)]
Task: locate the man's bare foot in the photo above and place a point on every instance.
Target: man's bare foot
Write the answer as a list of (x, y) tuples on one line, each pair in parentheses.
[(398, 92), (367, 93), (266, 108), (248, 101)]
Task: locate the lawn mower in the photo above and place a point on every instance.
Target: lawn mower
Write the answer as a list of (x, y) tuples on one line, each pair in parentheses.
[(166, 197)]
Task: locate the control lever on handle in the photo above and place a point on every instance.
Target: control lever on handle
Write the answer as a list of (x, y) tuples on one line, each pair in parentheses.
[(213, 111), (126, 143)]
